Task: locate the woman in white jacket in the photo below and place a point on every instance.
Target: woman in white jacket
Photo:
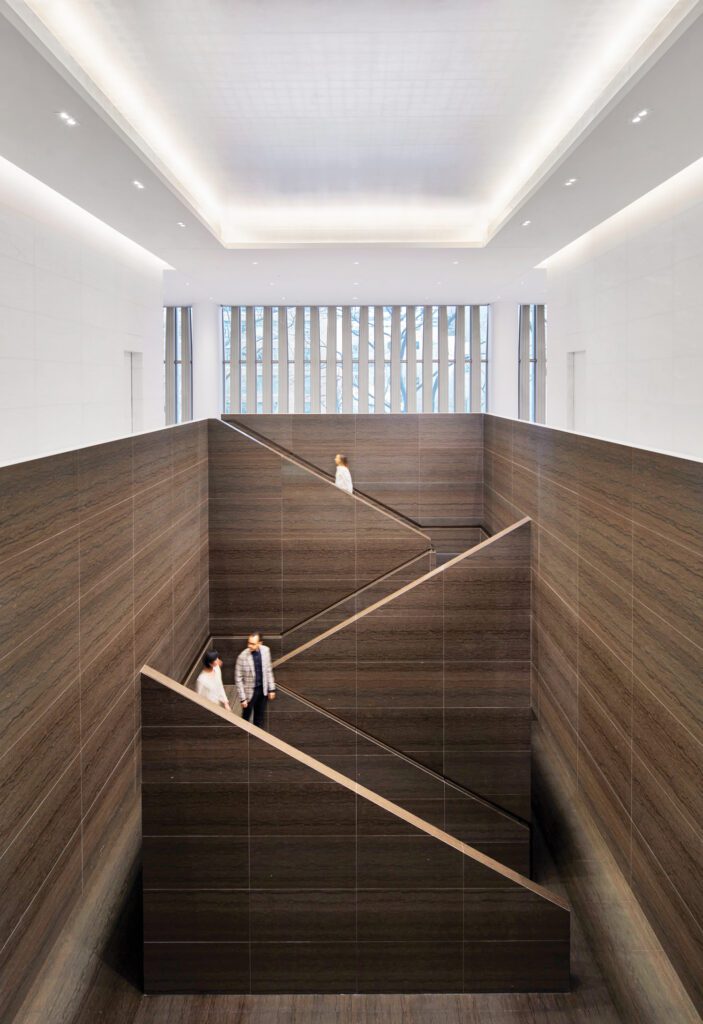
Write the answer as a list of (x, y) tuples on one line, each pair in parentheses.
[(342, 477)]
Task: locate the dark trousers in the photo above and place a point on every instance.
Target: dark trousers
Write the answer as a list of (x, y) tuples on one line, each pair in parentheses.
[(256, 707)]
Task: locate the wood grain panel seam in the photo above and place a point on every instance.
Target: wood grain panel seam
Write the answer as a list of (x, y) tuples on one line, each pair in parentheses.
[(694, 825), (118, 763), (21, 552), (396, 810), (693, 920), (37, 717), (73, 761), (38, 892), (412, 585), (111, 708)]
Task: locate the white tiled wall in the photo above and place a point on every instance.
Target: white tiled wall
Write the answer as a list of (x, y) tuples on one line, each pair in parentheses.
[(630, 295), (74, 297)]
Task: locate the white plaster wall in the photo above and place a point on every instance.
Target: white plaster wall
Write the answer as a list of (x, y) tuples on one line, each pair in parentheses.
[(75, 295), (629, 294), (503, 359)]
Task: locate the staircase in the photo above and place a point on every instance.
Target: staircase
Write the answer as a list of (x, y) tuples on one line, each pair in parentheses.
[(375, 836)]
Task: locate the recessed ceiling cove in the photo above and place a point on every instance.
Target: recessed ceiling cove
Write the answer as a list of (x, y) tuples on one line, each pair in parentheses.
[(316, 121)]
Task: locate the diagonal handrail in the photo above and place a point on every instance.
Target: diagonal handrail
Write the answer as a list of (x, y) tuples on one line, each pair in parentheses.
[(488, 804), (406, 588), (302, 463), (332, 775)]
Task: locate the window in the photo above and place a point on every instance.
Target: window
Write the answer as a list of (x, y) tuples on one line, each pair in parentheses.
[(178, 364), (532, 362), (318, 359)]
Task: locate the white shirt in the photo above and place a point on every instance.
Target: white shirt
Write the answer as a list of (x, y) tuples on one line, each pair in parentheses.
[(209, 684), (343, 479)]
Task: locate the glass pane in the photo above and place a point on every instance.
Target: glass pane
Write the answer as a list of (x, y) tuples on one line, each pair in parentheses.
[(435, 387), (259, 387), (372, 334), (306, 334), (178, 339), (274, 387), (243, 387), (290, 323), (403, 387), (274, 335), (467, 385), (451, 331), (323, 386), (372, 385), (355, 332), (387, 320), (355, 387), (226, 332), (227, 390), (435, 332), (243, 334), (340, 389), (483, 320), (387, 386), (532, 390), (323, 333), (484, 386), (339, 334), (259, 332), (403, 334), (452, 387), (179, 394)]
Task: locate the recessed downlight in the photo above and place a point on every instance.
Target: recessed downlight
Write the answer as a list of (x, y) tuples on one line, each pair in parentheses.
[(254, 263), (526, 223), (569, 182), (180, 223), (640, 116), (68, 119), (356, 263), (455, 262), (138, 185)]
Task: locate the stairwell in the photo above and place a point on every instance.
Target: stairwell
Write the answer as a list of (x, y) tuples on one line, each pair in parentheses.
[(385, 807)]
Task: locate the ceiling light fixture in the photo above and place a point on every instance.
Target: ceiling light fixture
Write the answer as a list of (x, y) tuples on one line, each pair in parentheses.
[(455, 262), (526, 223), (67, 119), (638, 117), (356, 263), (138, 185), (570, 182), (180, 223), (254, 263)]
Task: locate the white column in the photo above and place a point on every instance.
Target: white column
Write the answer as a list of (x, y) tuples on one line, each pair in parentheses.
[(208, 360), (503, 363)]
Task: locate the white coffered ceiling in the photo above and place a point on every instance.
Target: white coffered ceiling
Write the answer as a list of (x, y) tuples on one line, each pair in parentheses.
[(406, 121), (412, 137)]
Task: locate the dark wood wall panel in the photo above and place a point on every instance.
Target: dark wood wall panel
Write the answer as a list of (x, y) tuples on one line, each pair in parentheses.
[(442, 672), (617, 651), (103, 565), (306, 885), (285, 544), (427, 467)]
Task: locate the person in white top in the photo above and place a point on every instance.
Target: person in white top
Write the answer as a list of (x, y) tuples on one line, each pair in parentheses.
[(342, 477), (209, 682)]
